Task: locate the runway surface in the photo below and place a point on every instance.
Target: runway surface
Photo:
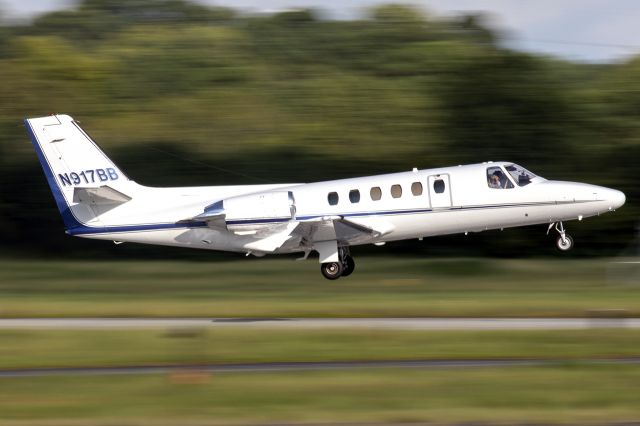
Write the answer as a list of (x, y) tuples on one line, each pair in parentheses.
[(329, 323), (301, 366)]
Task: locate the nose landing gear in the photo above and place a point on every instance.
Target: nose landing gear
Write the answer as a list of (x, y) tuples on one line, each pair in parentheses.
[(564, 241), (343, 268)]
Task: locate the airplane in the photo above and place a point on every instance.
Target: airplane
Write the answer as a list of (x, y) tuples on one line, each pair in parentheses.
[(97, 200)]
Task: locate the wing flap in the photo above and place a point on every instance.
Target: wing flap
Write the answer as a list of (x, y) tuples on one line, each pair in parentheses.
[(376, 228), (313, 233), (346, 231), (273, 242)]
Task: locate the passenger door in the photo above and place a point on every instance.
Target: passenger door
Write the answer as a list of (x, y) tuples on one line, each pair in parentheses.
[(439, 191)]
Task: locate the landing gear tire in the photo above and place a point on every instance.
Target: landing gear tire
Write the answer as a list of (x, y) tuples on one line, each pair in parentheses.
[(332, 270), (564, 244), (349, 265), (564, 241)]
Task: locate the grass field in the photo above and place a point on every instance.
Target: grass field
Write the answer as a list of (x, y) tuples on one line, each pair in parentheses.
[(47, 348), (576, 394), (571, 390), (381, 287)]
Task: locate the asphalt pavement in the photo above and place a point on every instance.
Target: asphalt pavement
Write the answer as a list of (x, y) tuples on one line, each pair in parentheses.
[(302, 366), (324, 323)]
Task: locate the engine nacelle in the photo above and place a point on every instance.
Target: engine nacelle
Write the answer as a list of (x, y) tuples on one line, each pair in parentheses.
[(254, 211), (268, 205)]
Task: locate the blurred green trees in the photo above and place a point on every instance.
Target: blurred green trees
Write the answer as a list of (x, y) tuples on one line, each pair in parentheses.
[(181, 94)]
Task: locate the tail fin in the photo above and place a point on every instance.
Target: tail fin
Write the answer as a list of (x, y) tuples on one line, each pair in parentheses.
[(82, 178)]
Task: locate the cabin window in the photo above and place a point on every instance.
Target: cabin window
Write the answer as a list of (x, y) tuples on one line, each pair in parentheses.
[(396, 191), (354, 196), (497, 179), (438, 186), (333, 198), (416, 188), (376, 193)]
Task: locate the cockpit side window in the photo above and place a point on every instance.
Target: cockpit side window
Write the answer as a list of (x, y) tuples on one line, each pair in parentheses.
[(497, 179), (521, 175)]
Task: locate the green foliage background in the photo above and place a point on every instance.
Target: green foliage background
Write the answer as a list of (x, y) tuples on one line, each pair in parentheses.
[(184, 94)]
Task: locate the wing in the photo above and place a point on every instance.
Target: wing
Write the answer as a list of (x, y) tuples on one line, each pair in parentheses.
[(345, 231), (301, 235), (267, 223), (325, 234)]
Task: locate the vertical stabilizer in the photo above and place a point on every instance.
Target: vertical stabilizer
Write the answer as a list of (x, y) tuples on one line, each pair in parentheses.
[(74, 164)]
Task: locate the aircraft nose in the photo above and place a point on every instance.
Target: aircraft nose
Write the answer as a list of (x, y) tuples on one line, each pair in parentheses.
[(615, 198)]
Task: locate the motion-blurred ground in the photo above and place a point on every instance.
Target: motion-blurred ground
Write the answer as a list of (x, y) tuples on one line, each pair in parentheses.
[(275, 288), (574, 388)]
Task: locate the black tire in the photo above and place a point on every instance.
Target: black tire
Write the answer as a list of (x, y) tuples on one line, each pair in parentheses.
[(349, 266), (331, 270), (564, 246)]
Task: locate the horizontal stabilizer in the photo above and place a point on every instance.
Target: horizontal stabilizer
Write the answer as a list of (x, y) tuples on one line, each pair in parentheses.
[(101, 195), (211, 215)]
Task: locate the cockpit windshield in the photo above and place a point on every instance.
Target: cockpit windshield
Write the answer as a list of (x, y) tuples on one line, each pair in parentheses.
[(496, 179), (520, 175)]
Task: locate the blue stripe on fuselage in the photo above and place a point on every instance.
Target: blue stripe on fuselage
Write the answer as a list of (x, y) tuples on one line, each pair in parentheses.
[(202, 224), (85, 230)]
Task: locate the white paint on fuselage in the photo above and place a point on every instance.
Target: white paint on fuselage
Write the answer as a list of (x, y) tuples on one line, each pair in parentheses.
[(474, 207)]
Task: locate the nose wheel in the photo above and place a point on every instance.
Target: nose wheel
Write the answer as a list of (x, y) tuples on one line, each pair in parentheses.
[(564, 241), (565, 244)]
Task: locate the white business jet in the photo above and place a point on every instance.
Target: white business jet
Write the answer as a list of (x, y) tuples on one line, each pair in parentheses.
[(97, 200)]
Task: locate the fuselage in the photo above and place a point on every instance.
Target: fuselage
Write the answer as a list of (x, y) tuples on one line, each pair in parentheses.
[(414, 204)]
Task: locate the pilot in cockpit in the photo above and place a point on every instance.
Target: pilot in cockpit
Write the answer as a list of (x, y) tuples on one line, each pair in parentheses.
[(495, 180)]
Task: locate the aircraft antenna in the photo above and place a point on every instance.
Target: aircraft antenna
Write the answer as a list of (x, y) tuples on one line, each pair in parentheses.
[(210, 166)]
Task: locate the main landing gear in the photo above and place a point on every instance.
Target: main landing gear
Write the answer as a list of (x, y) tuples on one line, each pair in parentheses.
[(343, 268), (564, 241)]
